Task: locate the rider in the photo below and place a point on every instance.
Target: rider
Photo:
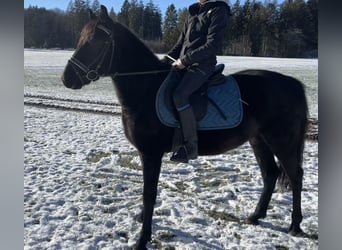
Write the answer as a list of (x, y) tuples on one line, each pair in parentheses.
[(194, 61)]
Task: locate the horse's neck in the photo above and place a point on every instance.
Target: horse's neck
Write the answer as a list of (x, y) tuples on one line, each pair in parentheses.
[(135, 90), (140, 87), (134, 56)]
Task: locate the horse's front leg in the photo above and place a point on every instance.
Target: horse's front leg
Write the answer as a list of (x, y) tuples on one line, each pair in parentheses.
[(151, 169)]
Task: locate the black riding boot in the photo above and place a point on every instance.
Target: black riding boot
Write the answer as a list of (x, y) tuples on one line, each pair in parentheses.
[(189, 148)]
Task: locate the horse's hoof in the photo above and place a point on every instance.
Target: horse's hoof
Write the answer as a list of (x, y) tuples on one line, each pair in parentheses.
[(141, 243), (252, 220), (139, 246), (296, 231)]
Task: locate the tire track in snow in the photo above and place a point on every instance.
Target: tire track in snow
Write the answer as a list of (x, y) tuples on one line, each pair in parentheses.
[(47, 97), (68, 104)]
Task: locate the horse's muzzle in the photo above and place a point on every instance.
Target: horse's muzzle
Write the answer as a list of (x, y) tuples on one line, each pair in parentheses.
[(70, 78)]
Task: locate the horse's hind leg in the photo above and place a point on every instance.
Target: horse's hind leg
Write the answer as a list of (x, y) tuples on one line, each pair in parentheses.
[(289, 151), (293, 169), (269, 172)]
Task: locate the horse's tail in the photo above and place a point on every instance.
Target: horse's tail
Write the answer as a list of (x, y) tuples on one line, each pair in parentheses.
[(302, 128), (304, 122)]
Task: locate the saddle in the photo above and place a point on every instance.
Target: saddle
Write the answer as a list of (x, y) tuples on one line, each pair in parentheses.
[(217, 104)]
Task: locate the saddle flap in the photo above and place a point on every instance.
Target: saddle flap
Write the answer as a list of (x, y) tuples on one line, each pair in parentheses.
[(223, 111)]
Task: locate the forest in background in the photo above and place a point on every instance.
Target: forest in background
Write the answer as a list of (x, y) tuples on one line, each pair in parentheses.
[(268, 29)]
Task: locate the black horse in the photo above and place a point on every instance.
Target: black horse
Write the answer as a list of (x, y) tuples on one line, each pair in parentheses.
[(274, 122)]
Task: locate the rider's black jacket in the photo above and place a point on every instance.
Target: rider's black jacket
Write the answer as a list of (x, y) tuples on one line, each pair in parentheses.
[(202, 34)]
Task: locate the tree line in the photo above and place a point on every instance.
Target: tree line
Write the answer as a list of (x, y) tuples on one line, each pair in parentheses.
[(289, 29)]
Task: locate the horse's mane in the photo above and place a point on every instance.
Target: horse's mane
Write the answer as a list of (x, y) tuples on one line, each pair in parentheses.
[(131, 38), (87, 33)]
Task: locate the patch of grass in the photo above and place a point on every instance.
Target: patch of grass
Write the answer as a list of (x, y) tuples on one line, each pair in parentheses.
[(237, 236), (101, 175), (95, 157), (181, 186), (126, 161), (246, 178), (270, 207), (313, 236), (109, 210), (109, 236), (162, 212), (279, 247), (156, 244), (223, 216), (123, 235), (210, 183), (167, 186), (204, 168), (166, 236), (69, 152)]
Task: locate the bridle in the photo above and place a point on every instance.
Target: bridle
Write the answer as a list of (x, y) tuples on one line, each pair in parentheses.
[(90, 72)]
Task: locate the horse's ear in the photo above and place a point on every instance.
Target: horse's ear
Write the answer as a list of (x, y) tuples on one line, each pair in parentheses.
[(91, 15), (103, 13)]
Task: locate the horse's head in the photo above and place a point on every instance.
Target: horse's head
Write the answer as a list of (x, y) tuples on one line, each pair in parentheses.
[(94, 54)]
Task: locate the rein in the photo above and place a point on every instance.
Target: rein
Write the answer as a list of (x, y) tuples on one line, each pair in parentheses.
[(140, 73)]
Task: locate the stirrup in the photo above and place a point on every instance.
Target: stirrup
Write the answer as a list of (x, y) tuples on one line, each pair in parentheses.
[(185, 153), (180, 155)]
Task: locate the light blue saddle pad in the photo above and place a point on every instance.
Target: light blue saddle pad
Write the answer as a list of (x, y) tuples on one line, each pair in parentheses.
[(224, 107)]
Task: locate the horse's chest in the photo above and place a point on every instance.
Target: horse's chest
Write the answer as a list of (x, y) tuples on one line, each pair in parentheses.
[(139, 130)]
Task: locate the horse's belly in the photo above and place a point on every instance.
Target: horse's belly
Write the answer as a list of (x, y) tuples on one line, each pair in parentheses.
[(214, 145)]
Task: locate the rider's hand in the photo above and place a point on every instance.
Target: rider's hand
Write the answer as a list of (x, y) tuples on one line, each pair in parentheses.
[(167, 60), (178, 64)]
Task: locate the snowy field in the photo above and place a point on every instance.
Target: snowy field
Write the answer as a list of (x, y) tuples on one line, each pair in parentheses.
[(83, 181)]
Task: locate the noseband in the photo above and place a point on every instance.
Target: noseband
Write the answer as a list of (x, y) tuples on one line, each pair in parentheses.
[(90, 72)]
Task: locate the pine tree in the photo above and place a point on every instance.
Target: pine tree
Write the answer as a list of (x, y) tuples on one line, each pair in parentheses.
[(291, 28), (112, 14), (268, 29), (70, 24), (312, 30), (135, 17), (123, 15), (182, 17), (256, 28), (170, 27), (152, 22), (271, 33), (80, 16), (95, 7)]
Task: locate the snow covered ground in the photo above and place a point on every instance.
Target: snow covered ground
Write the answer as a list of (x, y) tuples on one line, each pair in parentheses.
[(83, 182)]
